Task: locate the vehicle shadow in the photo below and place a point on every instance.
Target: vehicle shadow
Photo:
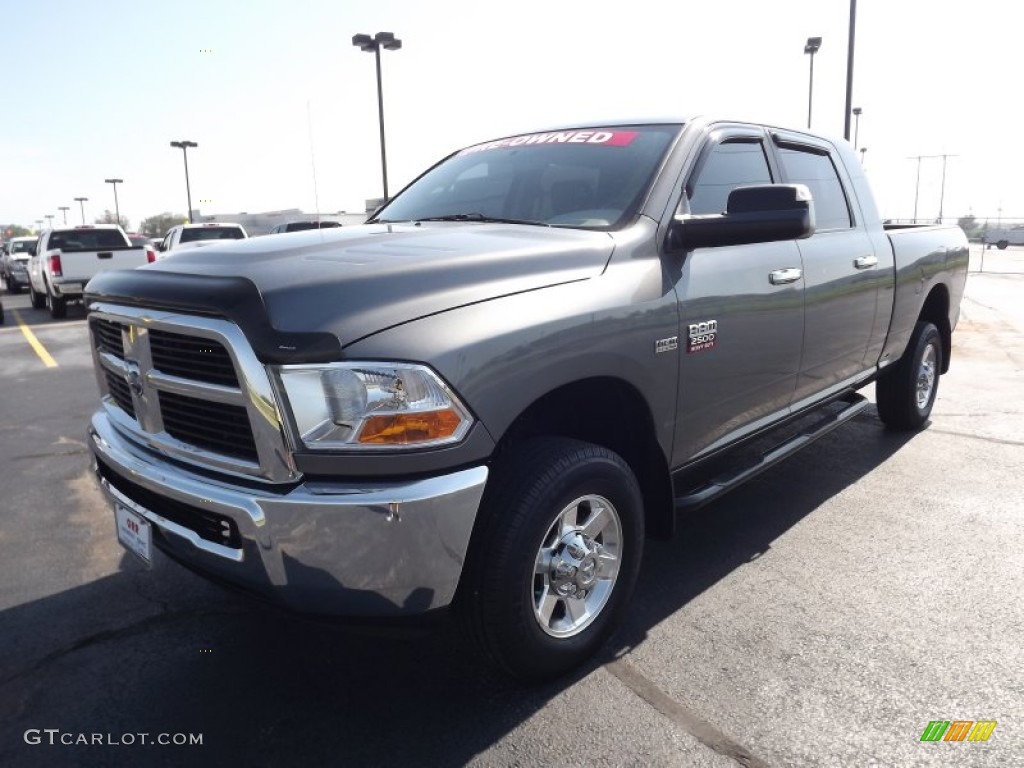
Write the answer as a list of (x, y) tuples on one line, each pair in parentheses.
[(267, 689)]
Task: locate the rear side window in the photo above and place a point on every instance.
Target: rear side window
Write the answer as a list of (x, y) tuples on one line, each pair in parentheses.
[(210, 233), (87, 239), (815, 169), (729, 165)]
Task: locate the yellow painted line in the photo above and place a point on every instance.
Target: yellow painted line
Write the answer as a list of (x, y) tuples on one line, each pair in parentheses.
[(37, 345)]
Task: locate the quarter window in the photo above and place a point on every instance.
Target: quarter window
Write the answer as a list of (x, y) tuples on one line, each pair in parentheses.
[(816, 170), (729, 165)]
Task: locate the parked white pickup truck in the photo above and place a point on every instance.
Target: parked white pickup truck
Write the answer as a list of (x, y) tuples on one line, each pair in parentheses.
[(66, 259)]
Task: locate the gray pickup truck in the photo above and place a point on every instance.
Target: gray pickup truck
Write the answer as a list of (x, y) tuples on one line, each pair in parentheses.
[(525, 363)]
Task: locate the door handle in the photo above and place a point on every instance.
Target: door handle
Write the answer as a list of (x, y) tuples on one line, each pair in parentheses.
[(783, 276), (107, 255), (866, 262)]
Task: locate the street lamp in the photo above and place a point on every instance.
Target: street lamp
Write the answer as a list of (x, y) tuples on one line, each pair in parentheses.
[(117, 209), (856, 129), (389, 42), (863, 151), (64, 209), (183, 146), (812, 46), (81, 202), (49, 222)]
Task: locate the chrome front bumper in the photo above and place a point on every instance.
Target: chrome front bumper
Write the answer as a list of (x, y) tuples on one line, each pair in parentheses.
[(368, 549)]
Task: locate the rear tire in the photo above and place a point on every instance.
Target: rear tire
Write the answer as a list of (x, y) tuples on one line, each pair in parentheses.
[(1001, 245), (560, 519), (906, 390), (58, 305), (38, 299)]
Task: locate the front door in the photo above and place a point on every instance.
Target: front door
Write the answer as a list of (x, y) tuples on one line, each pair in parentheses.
[(741, 309)]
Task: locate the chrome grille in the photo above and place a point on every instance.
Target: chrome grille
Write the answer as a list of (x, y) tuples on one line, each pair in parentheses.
[(192, 358), (214, 426), (120, 393), (108, 337), (191, 388)]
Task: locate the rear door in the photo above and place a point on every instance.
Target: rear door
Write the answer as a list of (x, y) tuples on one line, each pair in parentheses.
[(741, 308), (843, 274)]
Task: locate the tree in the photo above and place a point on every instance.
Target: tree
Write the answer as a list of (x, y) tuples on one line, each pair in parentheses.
[(157, 226), (14, 230), (969, 224), (108, 217)]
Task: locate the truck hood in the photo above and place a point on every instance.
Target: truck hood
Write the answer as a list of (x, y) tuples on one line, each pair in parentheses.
[(355, 281)]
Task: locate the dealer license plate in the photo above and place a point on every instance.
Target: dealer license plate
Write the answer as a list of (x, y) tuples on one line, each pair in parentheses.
[(134, 533)]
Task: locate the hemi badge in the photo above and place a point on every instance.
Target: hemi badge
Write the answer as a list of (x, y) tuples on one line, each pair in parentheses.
[(666, 345)]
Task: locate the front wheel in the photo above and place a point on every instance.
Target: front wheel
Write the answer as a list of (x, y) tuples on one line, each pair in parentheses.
[(906, 390), (1001, 245), (555, 558)]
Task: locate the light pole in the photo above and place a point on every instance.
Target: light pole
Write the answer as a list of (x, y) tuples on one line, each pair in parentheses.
[(64, 209), (863, 151), (389, 42), (81, 202), (183, 146), (812, 46), (49, 222), (117, 209), (856, 126), (849, 68)]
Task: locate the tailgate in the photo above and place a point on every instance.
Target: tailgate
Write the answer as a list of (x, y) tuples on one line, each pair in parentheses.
[(82, 265)]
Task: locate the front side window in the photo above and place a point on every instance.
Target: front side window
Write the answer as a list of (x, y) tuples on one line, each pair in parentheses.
[(815, 169), (731, 164), (594, 178)]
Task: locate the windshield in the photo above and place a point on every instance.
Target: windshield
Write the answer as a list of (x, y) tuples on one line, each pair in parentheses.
[(593, 179), (22, 246), (211, 233)]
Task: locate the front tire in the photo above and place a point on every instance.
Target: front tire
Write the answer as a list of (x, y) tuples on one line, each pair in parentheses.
[(556, 556), (1001, 245), (906, 390)]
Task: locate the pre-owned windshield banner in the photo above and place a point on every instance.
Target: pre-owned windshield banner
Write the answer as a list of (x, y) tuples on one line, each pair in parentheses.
[(590, 136)]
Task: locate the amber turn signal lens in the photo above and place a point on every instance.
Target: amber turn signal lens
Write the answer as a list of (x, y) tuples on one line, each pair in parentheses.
[(410, 428)]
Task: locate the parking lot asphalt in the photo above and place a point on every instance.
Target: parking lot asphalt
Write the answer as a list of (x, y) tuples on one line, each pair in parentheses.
[(822, 615)]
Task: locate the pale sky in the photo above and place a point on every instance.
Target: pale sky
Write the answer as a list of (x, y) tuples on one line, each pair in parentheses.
[(98, 89)]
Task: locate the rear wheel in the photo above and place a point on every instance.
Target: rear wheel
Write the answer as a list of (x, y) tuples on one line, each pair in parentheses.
[(1001, 245), (38, 299), (906, 390), (58, 305), (556, 557)]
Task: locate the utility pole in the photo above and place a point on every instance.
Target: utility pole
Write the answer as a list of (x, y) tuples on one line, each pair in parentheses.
[(942, 191)]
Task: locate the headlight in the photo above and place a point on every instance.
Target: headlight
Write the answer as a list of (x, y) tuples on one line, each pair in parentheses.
[(371, 406)]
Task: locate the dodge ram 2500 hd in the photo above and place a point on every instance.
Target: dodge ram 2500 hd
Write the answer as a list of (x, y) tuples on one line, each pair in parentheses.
[(530, 359), (65, 259)]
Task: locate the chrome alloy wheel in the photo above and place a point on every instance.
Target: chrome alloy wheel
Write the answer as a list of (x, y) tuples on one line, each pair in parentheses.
[(926, 377), (576, 566)]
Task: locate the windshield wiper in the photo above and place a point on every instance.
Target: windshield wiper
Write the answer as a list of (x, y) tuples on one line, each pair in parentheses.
[(481, 218)]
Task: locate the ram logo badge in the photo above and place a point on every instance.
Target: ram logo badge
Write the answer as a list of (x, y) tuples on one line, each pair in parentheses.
[(702, 336)]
